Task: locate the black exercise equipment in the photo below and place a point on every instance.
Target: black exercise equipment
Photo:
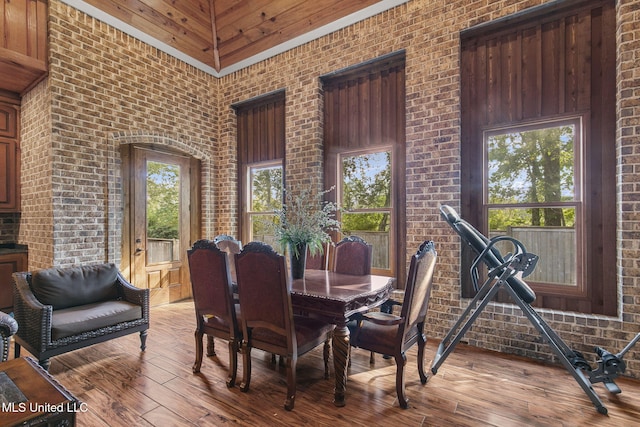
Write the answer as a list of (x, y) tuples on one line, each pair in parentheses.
[(506, 272)]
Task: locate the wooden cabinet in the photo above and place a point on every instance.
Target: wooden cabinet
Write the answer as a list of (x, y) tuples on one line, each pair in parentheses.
[(9, 264), (9, 157), (23, 45)]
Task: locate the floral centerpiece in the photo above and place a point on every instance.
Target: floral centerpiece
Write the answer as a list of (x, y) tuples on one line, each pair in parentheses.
[(304, 222)]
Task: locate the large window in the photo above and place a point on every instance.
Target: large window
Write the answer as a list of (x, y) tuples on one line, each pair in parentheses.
[(364, 153), (538, 147), (265, 196), (366, 202), (533, 193), (261, 155)]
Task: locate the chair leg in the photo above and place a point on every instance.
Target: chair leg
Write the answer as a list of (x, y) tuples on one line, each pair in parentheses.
[(16, 350), (372, 359), (291, 383), (246, 367), (401, 360), (325, 355), (233, 363), (211, 351), (198, 363), (421, 345), (143, 339), (45, 364)]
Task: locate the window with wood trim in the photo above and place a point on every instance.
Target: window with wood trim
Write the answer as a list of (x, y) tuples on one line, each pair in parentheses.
[(366, 201), (364, 152), (538, 147), (261, 155)]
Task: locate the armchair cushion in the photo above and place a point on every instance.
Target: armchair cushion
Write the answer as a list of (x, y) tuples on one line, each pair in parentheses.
[(75, 320), (69, 287)]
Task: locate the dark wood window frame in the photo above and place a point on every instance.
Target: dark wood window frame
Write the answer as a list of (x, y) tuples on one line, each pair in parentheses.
[(550, 61)]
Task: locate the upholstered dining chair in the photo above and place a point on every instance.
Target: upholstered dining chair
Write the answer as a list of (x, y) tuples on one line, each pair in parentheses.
[(319, 261), (231, 246), (390, 334), (352, 255), (268, 322), (216, 311)]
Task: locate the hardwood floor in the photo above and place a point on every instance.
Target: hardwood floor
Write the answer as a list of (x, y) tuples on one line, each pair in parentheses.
[(122, 386)]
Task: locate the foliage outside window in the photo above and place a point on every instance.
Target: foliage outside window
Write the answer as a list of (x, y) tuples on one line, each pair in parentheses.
[(265, 197), (532, 193), (163, 211), (366, 201)]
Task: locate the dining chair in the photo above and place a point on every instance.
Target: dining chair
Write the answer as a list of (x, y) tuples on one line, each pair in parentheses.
[(352, 255), (318, 261), (268, 322), (231, 246), (216, 311), (387, 333)]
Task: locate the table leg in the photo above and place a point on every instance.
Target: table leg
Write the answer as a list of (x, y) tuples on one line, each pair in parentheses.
[(340, 355)]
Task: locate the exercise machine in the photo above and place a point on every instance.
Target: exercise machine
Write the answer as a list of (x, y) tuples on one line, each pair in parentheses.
[(507, 272)]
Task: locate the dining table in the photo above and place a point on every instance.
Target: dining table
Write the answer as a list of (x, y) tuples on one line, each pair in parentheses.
[(336, 297)]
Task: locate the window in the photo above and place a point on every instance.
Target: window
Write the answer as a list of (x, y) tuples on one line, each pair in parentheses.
[(265, 195), (364, 156), (366, 202), (533, 193), (163, 212), (544, 77), (261, 156)]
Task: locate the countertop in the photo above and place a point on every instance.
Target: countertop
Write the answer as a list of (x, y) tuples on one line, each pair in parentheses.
[(12, 248)]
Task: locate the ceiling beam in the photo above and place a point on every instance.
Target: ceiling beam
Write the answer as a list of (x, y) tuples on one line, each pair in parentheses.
[(214, 34)]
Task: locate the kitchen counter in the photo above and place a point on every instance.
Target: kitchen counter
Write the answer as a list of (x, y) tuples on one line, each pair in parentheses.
[(12, 248)]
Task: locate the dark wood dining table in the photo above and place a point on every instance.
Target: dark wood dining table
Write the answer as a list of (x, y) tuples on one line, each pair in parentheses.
[(335, 297)]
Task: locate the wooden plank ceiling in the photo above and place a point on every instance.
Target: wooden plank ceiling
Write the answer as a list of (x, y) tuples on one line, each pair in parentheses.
[(220, 33)]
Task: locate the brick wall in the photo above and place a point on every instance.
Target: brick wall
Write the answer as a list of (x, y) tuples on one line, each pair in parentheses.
[(106, 87), (429, 33), (9, 227), (36, 221)]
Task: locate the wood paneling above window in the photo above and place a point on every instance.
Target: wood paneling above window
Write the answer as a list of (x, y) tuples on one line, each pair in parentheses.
[(261, 128), (543, 68), (364, 107)]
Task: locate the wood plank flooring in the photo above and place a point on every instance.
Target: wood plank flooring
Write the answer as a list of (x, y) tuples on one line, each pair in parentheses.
[(122, 386)]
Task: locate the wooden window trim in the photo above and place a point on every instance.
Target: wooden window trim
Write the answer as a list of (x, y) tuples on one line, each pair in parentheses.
[(584, 85), (377, 125), (260, 138)]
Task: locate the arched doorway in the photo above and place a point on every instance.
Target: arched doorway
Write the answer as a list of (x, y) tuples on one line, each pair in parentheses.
[(161, 219)]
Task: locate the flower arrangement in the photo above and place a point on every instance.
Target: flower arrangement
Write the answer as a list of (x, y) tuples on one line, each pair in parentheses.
[(305, 218)]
